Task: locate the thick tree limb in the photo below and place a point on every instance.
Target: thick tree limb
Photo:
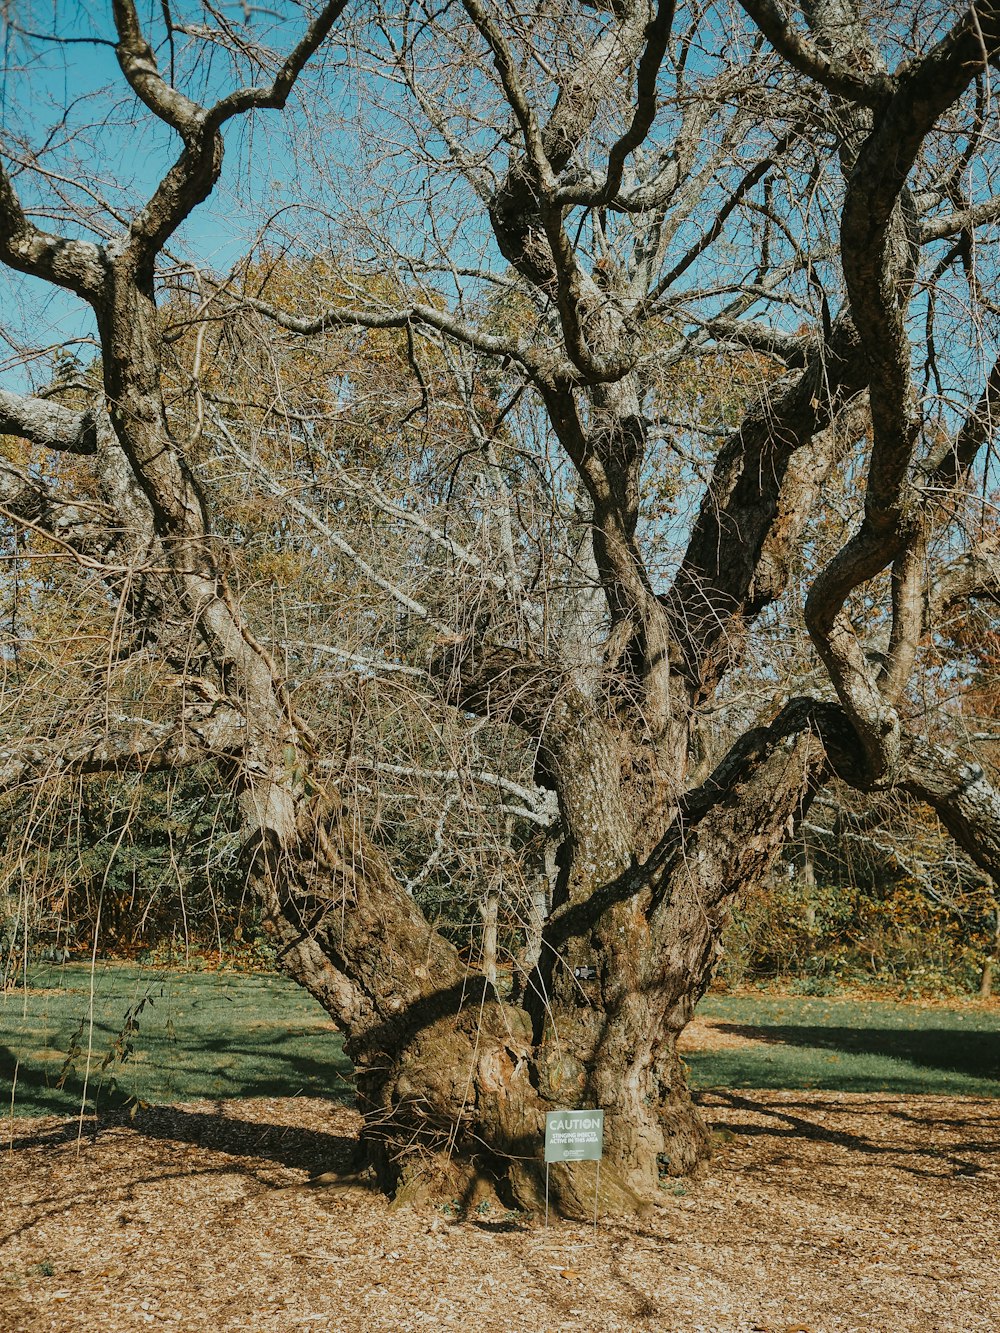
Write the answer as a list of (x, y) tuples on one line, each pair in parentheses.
[(961, 795), (191, 179), (873, 247), (974, 575), (877, 245), (138, 64), (657, 39), (802, 54), (755, 508), (790, 348), (79, 266), (965, 219), (44, 422), (527, 218)]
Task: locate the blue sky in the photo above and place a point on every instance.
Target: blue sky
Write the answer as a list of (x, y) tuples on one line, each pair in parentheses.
[(68, 97)]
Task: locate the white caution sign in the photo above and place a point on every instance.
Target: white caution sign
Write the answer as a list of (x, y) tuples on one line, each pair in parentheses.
[(574, 1136)]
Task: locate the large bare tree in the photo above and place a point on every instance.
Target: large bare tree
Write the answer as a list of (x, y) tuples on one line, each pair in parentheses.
[(696, 305)]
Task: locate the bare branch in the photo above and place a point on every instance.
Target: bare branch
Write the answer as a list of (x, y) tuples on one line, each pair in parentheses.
[(773, 20), (536, 797), (275, 96), (936, 229), (129, 745), (256, 469), (401, 317)]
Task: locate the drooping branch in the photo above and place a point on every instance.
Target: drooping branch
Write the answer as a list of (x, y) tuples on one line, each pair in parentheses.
[(713, 231), (127, 745), (537, 805), (112, 536), (946, 467)]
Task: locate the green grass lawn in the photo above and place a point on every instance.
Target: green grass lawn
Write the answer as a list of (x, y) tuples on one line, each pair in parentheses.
[(852, 1045), (229, 1034), (200, 1034)]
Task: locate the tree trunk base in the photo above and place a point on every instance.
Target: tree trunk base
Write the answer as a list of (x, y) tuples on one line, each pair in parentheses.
[(986, 980), (687, 1139), (457, 1119)]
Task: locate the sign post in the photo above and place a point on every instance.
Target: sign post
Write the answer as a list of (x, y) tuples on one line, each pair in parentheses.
[(574, 1136)]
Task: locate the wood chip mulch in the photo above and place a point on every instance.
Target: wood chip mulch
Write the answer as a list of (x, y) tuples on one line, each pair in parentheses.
[(819, 1212)]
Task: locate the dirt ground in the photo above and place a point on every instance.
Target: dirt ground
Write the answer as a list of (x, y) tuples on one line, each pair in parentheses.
[(819, 1212)]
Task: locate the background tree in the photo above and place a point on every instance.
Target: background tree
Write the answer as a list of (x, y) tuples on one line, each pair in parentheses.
[(578, 223)]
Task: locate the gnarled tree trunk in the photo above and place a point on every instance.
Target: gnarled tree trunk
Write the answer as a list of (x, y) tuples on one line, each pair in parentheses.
[(455, 1083), (454, 1080)]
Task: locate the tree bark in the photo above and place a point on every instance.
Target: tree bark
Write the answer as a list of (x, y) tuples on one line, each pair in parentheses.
[(455, 1083)]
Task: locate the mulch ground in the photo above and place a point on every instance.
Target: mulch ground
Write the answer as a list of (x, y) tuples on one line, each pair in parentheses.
[(819, 1212)]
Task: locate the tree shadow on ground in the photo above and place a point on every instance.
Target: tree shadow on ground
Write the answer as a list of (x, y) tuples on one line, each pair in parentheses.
[(252, 1145), (310, 1150), (971, 1053), (803, 1120), (209, 1067)]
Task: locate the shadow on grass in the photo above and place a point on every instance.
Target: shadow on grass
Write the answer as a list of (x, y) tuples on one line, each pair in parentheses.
[(975, 1054), (213, 1068), (187, 1036)]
